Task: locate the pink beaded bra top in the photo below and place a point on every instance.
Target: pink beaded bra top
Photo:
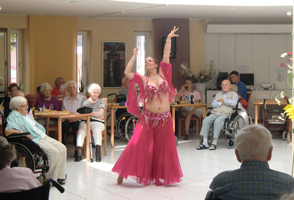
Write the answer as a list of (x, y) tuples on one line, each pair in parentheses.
[(151, 91)]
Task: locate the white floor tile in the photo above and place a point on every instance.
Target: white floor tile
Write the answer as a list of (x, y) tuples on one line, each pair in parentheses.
[(91, 181)]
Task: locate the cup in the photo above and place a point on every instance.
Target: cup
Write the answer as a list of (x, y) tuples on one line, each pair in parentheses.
[(40, 109), (51, 107)]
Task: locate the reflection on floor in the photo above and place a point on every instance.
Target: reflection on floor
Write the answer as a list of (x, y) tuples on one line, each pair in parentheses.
[(91, 181)]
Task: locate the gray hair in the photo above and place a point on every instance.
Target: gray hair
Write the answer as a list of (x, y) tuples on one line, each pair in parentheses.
[(94, 86), (45, 85), (69, 82), (8, 152), (124, 79), (62, 88), (15, 102), (233, 85), (58, 79), (16, 93), (253, 143)]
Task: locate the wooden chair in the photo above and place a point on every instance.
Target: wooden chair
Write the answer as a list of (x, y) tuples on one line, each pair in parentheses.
[(32, 99), (193, 118)]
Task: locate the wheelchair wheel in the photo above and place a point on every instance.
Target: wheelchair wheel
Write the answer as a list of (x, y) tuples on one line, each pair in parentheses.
[(121, 124), (284, 135), (24, 157), (231, 143), (238, 124), (130, 127)]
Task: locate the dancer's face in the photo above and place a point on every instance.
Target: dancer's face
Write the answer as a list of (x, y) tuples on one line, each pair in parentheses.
[(150, 64)]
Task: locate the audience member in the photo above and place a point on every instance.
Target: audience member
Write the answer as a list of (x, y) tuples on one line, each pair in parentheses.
[(124, 88), (49, 101), (14, 179), (254, 179), (71, 103), (6, 100), (15, 93), (19, 121), (58, 82), (186, 92), (96, 124), (38, 90), (235, 79), (63, 90), (222, 104)]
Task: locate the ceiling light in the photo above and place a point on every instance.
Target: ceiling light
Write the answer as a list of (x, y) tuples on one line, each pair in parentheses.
[(215, 2), (0, 8)]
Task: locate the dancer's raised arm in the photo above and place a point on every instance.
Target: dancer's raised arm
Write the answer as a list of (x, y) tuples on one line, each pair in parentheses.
[(128, 71), (167, 46)]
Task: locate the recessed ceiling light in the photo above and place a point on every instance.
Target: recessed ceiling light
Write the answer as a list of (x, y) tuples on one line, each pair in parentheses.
[(0, 8), (72, 1)]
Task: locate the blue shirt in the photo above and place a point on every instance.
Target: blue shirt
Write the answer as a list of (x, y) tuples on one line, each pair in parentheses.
[(242, 90), (254, 180)]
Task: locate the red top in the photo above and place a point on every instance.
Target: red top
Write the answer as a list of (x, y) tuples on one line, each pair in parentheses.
[(55, 92)]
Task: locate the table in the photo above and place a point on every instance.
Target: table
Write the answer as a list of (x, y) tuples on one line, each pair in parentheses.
[(258, 103), (59, 115), (200, 105), (112, 107)]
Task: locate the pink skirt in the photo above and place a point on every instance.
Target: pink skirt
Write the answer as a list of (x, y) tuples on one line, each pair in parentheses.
[(151, 153)]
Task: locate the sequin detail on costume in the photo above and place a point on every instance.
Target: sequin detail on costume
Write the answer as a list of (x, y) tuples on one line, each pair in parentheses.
[(156, 120), (151, 91)]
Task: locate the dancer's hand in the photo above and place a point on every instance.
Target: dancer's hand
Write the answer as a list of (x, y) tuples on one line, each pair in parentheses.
[(172, 33), (135, 52)]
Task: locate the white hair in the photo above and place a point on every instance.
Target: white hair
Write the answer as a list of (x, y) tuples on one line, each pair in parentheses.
[(45, 85), (233, 85), (253, 143), (62, 88), (15, 102), (69, 82), (94, 86)]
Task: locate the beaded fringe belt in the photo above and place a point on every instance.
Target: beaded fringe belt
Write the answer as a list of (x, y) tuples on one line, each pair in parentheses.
[(155, 120)]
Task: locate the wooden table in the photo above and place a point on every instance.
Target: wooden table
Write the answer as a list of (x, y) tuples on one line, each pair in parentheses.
[(59, 115), (258, 103), (112, 107), (200, 105)]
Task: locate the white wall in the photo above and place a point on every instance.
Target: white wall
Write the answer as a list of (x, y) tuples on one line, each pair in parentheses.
[(260, 51)]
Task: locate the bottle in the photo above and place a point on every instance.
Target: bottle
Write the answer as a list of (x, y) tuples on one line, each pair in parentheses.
[(192, 99), (44, 108)]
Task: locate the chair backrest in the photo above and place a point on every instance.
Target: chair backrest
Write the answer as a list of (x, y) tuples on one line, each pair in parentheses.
[(32, 98), (200, 91), (249, 95)]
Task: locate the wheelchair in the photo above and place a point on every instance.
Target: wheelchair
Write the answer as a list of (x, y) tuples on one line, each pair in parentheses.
[(232, 125), (125, 122), (39, 193), (29, 154)]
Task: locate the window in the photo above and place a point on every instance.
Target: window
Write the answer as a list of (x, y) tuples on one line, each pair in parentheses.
[(142, 40), (82, 70)]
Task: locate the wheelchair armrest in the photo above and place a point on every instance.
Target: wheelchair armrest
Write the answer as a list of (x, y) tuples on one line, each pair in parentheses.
[(55, 184), (236, 109), (14, 135)]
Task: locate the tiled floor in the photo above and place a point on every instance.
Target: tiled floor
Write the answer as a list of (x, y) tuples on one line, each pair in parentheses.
[(91, 181)]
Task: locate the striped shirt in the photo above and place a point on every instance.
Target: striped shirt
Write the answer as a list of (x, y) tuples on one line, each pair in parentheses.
[(254, 180), (72, 106)]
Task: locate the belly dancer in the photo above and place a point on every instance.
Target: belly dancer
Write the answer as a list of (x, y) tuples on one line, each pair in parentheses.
[(151, 154)]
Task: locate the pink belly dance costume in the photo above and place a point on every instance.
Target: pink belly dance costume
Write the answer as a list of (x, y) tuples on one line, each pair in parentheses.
[(151, 154)]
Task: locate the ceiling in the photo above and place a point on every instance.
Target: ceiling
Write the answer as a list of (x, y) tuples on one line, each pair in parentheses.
[(114, 9)]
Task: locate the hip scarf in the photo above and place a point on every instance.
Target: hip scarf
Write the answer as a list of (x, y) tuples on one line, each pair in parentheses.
[(155, 120)]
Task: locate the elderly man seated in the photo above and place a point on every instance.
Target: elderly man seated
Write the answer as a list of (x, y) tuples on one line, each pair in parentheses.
[(19, 121), (223, 104), (14, 179), (254, 179)]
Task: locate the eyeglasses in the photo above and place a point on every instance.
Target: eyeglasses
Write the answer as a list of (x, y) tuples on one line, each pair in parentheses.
[(24, 106)]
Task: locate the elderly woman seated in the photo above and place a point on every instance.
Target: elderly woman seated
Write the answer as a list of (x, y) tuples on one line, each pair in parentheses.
[(96, 123), (14, 179), (19, 121), (48, 100), (63, 91)]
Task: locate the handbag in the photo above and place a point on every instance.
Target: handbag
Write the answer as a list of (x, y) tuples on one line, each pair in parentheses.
[(84, 110)]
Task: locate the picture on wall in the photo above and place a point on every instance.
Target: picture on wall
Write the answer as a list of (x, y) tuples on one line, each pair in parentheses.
[(113, 63)]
